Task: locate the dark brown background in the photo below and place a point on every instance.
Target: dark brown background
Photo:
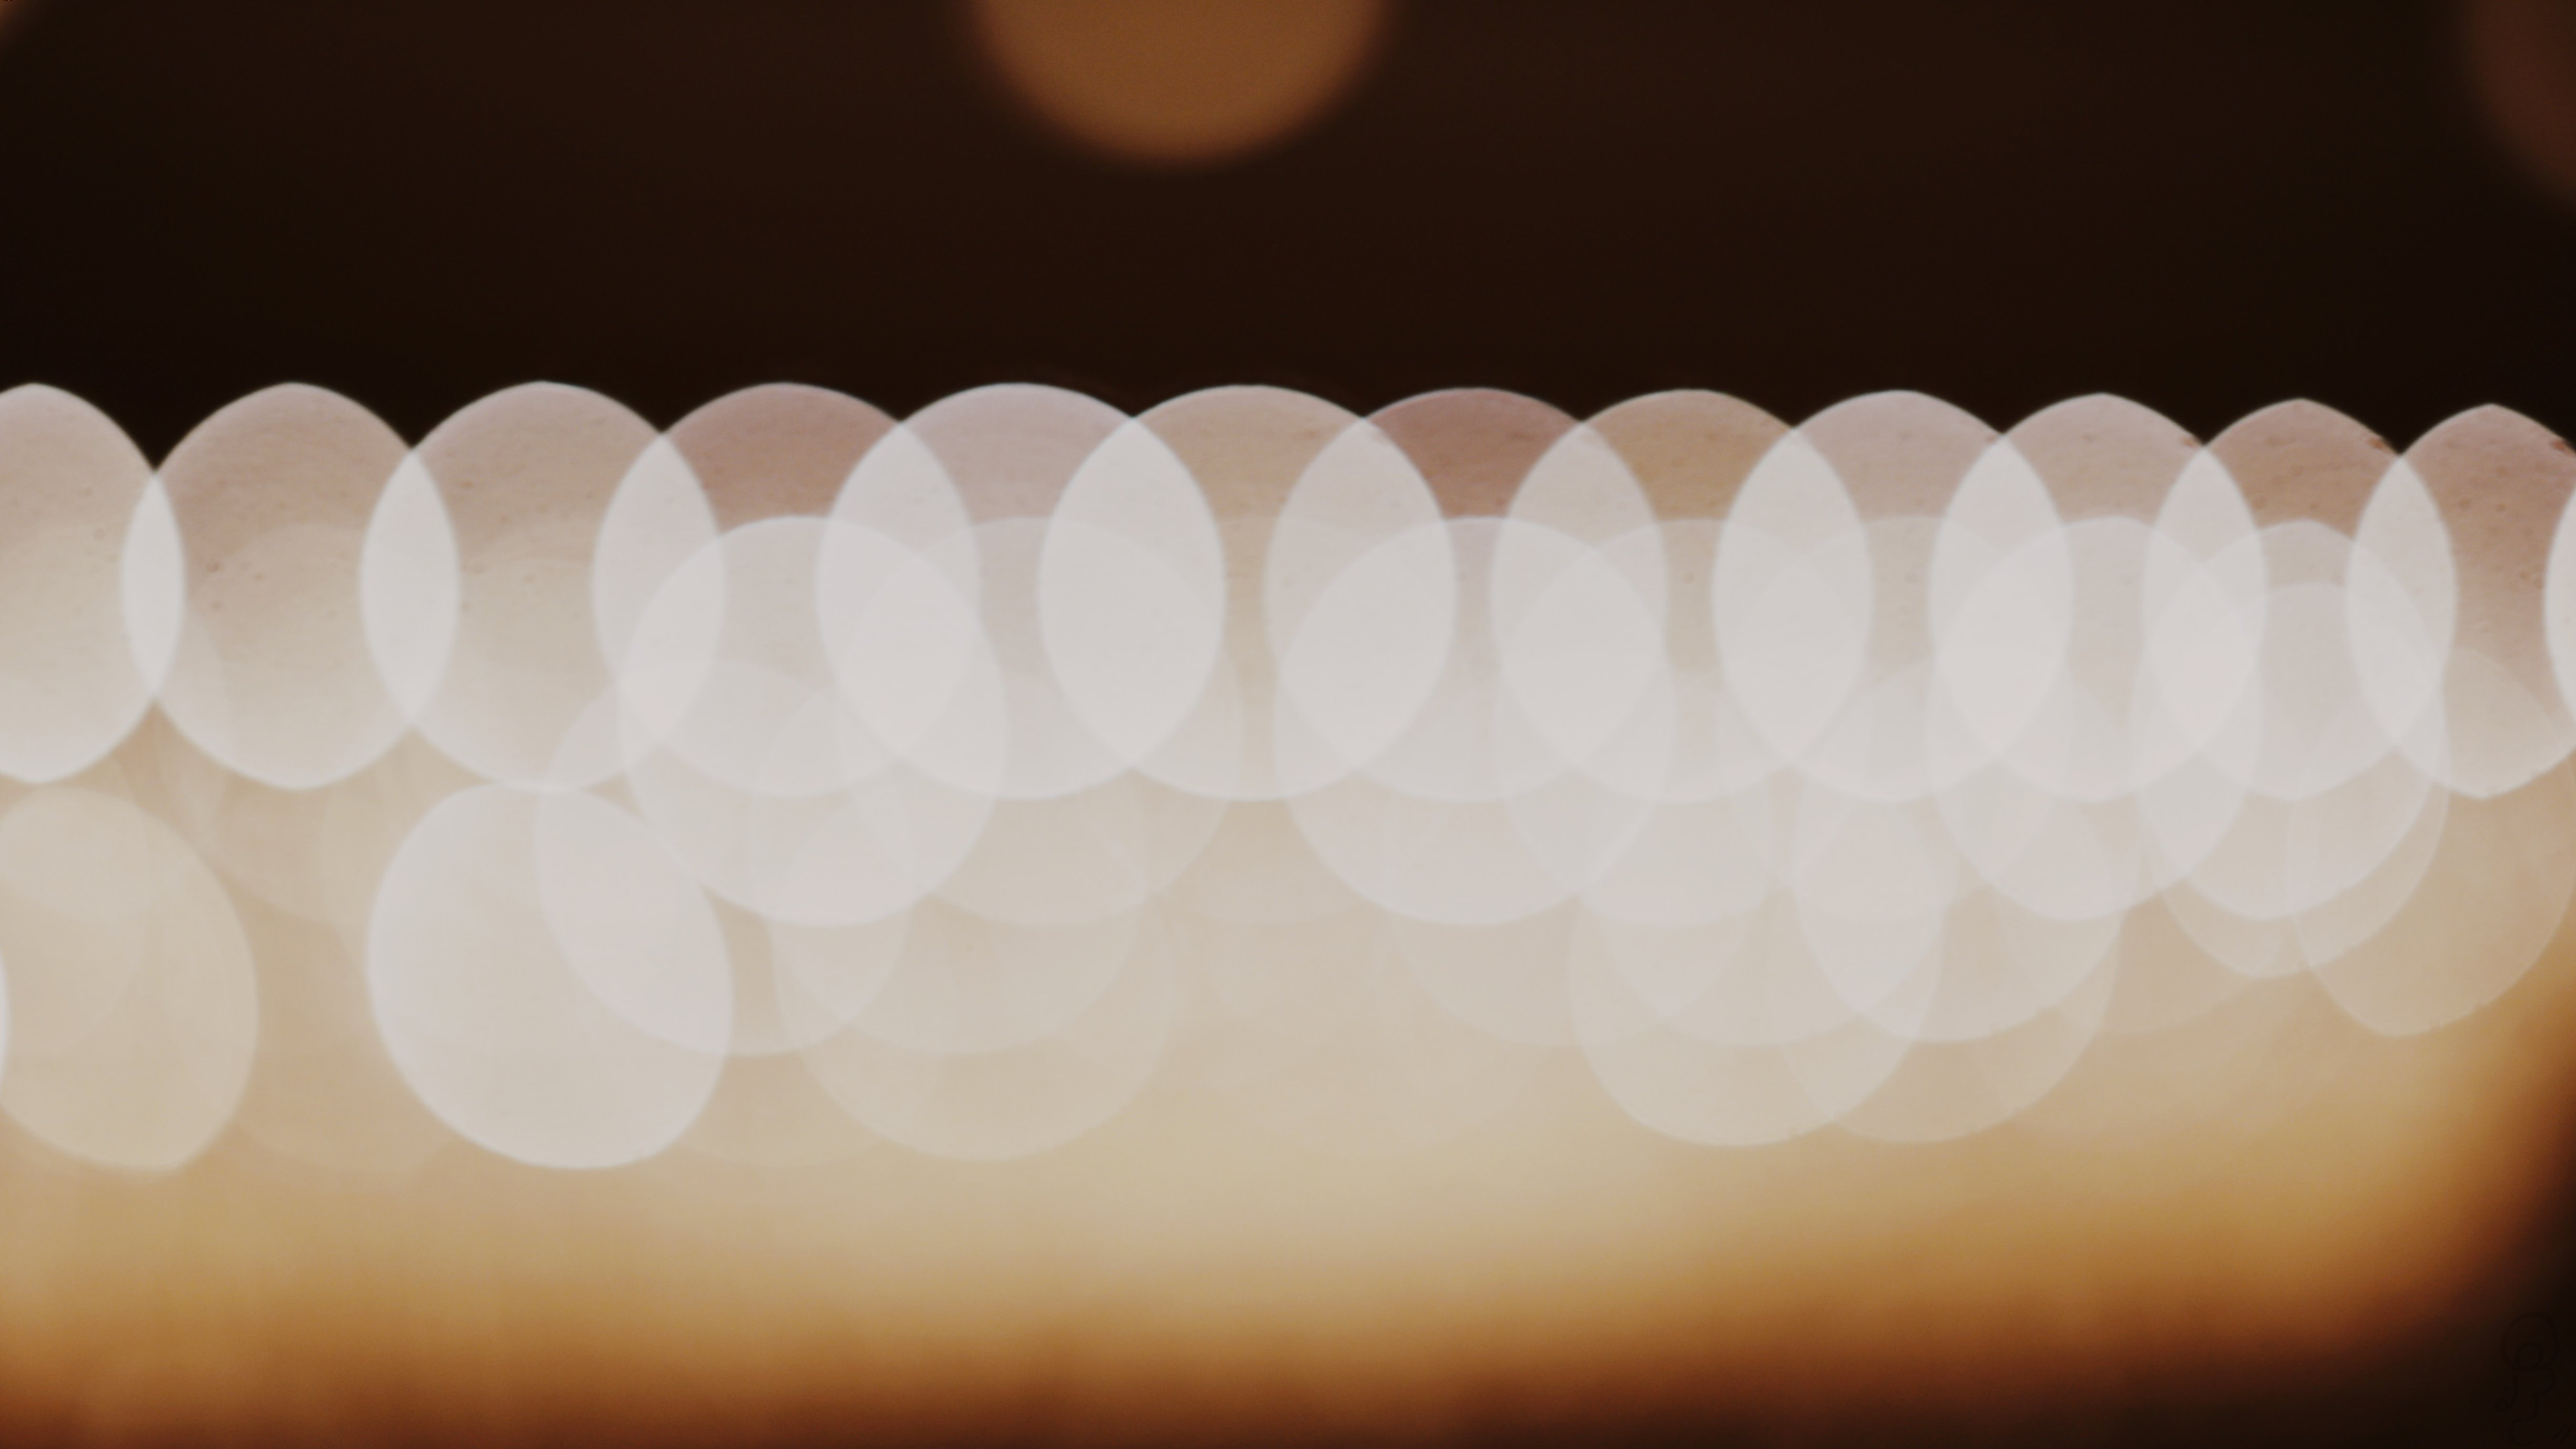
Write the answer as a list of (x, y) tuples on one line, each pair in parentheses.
[(2206, 205)]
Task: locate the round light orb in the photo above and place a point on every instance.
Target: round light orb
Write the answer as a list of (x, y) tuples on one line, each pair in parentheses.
[(1179, 82), (2522, 60)]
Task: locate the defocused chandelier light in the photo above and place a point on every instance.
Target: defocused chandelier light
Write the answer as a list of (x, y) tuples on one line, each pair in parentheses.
[(968, 769)]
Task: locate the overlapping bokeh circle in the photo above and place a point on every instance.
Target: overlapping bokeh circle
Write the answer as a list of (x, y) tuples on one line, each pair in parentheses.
[(797, 780)]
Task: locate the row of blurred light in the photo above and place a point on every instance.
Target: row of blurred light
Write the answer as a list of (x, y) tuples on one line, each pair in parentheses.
[(959, 773)]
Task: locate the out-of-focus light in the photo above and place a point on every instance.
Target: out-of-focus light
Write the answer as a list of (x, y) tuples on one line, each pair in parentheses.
[(988, 763), (2522, 58), (930, 874), (1179, 82)]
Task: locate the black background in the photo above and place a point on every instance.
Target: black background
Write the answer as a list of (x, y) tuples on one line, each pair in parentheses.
[(2205, 205)]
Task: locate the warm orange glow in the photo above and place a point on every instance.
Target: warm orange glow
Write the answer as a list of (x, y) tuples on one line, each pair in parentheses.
[(1180, 82)]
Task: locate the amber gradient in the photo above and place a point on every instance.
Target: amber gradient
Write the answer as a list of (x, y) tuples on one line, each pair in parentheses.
[(1175, 1277)]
